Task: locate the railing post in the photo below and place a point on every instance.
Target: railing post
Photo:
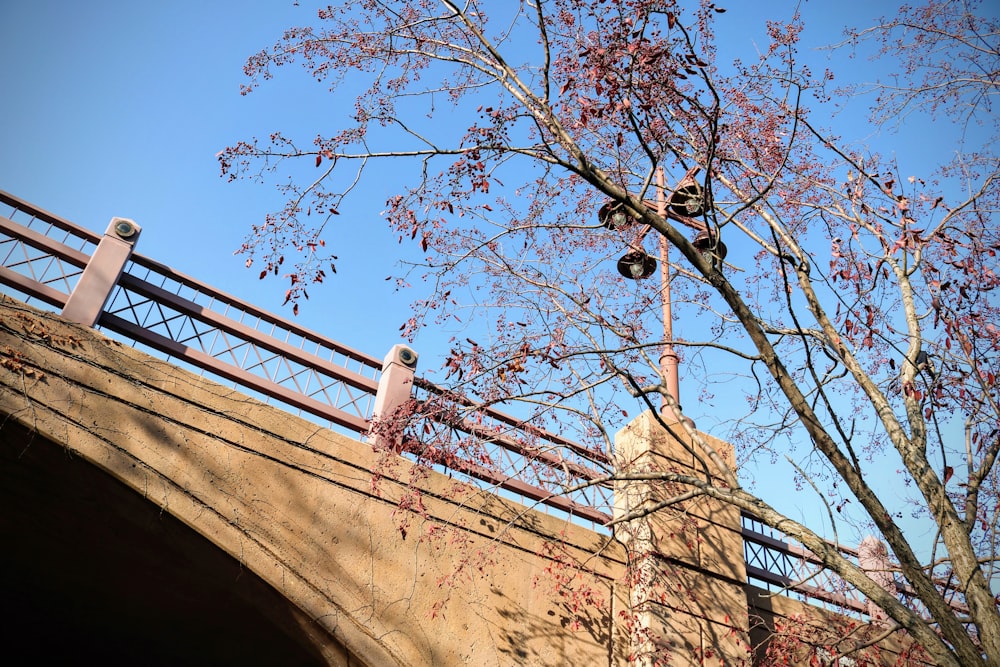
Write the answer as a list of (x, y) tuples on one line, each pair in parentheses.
[(873, 557), (394, 389), (687, 574), (92, 291)]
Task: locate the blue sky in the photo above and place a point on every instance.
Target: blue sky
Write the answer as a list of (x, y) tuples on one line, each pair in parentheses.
[(118, 109), (115, 108)]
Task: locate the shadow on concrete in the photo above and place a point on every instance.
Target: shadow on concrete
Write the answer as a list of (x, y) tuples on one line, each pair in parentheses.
[(93, 573)]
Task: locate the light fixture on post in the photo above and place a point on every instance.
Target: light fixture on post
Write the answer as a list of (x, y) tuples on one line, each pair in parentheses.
[(686, 203), (710, 247), (613, 216), (688, 199), (636, 265)]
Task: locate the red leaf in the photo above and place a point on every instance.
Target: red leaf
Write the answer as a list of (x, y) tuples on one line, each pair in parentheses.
[(319, 159)]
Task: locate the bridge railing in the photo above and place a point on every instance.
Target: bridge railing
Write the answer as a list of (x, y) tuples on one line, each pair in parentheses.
[(530, 462), (780, 566), (777, 565), (44, 257)]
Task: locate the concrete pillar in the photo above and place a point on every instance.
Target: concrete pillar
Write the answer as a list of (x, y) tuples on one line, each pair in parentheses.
[(686, 568), (99, 278)]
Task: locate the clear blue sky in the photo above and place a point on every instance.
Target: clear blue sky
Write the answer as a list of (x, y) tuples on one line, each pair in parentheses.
[(115, 108), (118, 108)]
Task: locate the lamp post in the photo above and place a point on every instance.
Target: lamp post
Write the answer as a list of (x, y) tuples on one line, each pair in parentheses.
[(686, 202), (668, 357)]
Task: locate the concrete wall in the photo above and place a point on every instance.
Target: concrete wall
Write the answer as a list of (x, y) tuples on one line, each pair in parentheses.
[(294, 504), (794, 625), (164, 517)]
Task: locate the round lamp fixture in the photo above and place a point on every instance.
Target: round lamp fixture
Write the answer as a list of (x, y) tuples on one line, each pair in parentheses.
[(636, 265), (407, 357), (710, 246), (613, 216), (125, 229), (689, 200)]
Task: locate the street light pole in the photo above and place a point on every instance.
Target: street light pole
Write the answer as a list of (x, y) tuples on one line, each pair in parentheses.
[(687, 203), (668, 357)]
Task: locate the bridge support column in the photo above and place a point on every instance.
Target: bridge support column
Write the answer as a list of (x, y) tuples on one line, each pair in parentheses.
[(686, 568), (92, 291)]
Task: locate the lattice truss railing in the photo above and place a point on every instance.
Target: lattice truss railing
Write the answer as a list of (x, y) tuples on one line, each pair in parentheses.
[(229, 338), (776, 565), (41, 255), (785, 568), (534, 464)]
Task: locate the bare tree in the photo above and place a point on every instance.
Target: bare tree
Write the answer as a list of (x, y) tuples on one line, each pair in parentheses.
[(863, 322)]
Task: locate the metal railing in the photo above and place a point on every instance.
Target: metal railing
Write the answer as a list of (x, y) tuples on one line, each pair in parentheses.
[(188, 320), (776, 565), (43, 256), (779, 566)]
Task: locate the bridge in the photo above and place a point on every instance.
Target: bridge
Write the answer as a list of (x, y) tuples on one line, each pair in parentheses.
[(188, 479)]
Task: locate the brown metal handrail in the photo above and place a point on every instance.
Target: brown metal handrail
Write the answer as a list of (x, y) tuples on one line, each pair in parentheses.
[(147, 308), (793, 570)]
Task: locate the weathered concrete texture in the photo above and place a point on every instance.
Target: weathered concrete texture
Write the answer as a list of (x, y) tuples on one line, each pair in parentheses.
[(293, 508), (688, 556), (792, 625), (91, 569)]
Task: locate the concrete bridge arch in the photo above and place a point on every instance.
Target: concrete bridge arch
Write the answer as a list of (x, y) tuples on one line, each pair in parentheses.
[(94, 570), (185, 499), (152, 516)]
